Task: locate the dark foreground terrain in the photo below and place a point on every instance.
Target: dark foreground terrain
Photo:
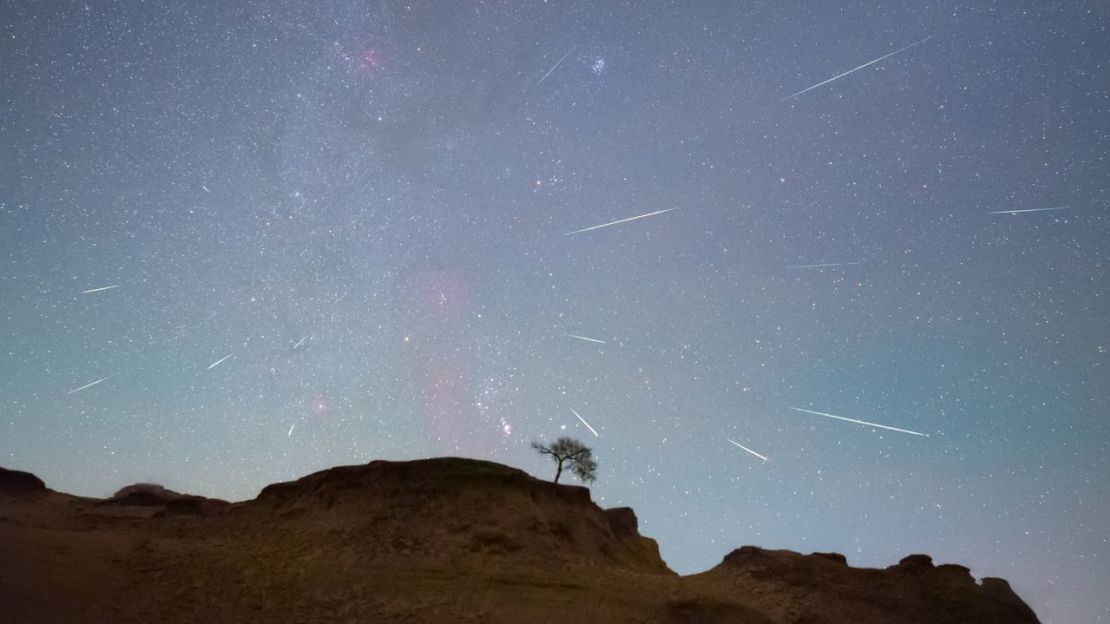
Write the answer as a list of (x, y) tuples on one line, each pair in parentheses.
[(438, 540)]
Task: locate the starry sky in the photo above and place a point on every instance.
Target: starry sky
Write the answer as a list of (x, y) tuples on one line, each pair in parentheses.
[(243, 241)]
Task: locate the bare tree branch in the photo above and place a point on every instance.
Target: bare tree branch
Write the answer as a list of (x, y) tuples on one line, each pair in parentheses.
[(578, 456)]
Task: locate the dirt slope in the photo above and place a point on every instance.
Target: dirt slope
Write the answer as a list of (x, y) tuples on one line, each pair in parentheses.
[(439, 540)]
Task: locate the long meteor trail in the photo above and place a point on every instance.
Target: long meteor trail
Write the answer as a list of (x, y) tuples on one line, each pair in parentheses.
[(1030, 210), (556, 65), (868, 64), (860, 422), (587, 339), (89, 385), (93, 290), (598, 227), (746, 449), (592, 430), (821, 266), (219, 361)]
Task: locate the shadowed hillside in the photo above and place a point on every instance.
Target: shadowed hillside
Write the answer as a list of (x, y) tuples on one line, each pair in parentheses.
[(437, 540)]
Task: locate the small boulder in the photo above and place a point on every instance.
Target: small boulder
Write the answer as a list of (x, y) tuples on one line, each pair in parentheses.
[(914, 563)]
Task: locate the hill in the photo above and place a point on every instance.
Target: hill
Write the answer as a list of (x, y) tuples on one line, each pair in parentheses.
[(437, 540)]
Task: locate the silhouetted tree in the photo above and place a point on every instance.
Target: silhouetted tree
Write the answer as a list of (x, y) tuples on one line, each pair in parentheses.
[(577, 456)]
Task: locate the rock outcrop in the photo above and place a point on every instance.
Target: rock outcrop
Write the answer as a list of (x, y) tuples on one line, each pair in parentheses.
[(430, 541), (18, 483), (167, 502), (822, 587), (456, 509)]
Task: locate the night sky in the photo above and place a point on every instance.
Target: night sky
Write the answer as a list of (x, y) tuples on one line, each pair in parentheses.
[(322, 235)]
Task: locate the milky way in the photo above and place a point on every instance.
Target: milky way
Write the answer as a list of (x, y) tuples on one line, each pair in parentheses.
[(240, 242)]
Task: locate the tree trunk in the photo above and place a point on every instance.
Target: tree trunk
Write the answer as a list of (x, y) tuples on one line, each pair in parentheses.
[(558, 471)]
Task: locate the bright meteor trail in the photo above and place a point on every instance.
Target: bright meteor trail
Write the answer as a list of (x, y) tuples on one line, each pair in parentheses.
[(746, 449), (821, 266), (1029, 210), (839, 76), (592, 430), (598, 227), (588, 339), (92, 290), (860, 422), (219, 361), (89, 385)]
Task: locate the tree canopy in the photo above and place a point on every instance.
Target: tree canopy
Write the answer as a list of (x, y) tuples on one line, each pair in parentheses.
[(575, 455)]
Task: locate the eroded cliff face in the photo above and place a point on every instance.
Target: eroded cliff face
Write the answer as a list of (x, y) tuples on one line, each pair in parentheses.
[(438, 540), (822, 587), (450, 509)]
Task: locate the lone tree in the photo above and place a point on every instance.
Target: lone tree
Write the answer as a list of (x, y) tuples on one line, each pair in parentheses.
[(576, 455)]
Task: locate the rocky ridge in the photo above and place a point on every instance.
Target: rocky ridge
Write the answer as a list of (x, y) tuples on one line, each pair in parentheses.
[(437, 540)]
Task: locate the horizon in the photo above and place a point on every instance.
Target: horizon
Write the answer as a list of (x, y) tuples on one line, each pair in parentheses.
[(978, 577)]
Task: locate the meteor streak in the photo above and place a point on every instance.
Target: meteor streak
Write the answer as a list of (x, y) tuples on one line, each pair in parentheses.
[(588, 339), (299, 343), (598, 227), (556, 65), (860, 422), (585, 423), (747, 449), (219, 361), (1030, 210), (291, 430), (89, 385), (839, 76), (821, 266), (92, 290)]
